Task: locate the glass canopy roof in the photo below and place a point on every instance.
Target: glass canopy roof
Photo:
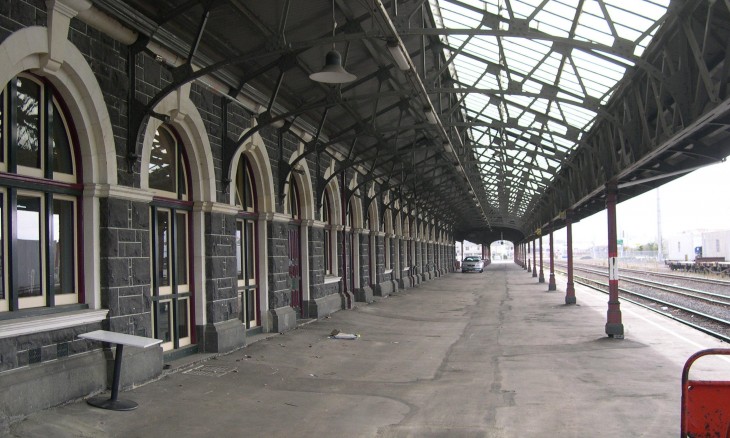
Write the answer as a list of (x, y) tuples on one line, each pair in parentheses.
[(532, 76)]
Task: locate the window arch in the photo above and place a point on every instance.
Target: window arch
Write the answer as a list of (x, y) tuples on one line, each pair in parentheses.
[(167, 170), (245, 199), (293, 198), (170, 212), (39, 199), (245, 190)]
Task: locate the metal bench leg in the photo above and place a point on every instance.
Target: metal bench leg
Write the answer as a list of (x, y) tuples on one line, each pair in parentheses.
[(113, 403)]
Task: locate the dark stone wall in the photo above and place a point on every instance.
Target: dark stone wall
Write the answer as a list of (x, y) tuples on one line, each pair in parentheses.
[(364, 258), (108, 60), (429, 255), (279, 286), (403, 254), (221, 271), (380, 258), (23, 351), (340, 260), (17, 14), (125, 265), (316, 263)]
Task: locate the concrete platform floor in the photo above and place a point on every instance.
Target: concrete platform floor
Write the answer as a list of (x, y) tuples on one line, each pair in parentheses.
[(466, 355)]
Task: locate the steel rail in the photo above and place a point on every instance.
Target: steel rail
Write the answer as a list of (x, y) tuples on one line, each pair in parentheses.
[(593, 285)]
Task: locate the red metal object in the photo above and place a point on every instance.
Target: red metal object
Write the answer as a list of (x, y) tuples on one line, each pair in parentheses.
[(570, 287), (541, 274), (705, 404), (551, 282), (614, 326)]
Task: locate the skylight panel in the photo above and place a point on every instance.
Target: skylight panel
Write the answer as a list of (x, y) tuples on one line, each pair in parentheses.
[(529, 126)]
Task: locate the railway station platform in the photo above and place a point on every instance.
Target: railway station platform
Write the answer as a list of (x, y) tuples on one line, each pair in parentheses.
[(465, 355)]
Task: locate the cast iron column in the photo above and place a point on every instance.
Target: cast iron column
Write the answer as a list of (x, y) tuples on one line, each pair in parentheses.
[(551, 282), (614, 327), (534, 259), (570, 288), (541, 275), (527, 256)]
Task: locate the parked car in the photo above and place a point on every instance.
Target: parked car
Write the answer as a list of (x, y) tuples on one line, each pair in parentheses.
[(472, 264)]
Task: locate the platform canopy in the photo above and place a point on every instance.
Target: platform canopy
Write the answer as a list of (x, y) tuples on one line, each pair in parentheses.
[(496, 117)]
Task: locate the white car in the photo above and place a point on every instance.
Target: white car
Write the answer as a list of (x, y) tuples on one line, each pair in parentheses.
[(472, 264)]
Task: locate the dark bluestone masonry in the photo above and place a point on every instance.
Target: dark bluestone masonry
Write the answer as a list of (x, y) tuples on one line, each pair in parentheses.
[(186, 226)]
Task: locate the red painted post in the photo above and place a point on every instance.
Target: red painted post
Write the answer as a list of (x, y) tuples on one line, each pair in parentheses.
[(541, 275), (551, 282), (570, 287), (534, 259), (614, 327)]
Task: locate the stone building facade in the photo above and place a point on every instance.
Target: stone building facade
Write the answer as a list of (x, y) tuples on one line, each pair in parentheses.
[(179, 227)]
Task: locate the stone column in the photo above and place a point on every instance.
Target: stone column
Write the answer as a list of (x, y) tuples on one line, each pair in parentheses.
[(224, 331), (363, 290)]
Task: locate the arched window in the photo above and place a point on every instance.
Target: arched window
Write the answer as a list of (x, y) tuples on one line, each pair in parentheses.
[(246, 244), (172, 294), (39, 199), (293, 198)]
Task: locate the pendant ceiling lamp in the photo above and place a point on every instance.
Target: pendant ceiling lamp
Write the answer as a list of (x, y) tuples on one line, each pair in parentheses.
[(332, 72)]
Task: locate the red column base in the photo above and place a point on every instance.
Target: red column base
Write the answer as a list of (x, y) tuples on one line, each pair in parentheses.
[(570, 294), (551, 283), (615, 330)]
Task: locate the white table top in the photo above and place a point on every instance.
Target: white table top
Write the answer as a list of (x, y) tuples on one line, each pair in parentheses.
[(120, 338)]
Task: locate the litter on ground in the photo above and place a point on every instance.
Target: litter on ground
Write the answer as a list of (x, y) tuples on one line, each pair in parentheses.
[(336, 334)]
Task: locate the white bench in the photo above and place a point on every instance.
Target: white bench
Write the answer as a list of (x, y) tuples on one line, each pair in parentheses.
[(120, 339)]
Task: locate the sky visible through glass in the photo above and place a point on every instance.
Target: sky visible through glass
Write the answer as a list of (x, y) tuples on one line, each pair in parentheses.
[(532, 76)]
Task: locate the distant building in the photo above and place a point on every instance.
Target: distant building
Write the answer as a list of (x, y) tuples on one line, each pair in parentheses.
[(716, 244), (691, 244)]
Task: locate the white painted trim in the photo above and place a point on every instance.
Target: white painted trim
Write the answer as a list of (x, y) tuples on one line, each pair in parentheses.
[(38, 324), (197, 221), (92, 246), (119, 192), (255, 151), (330, 279), (216, 207), (263, 271), (388, 271), (75, 81), (188, 124), (280, 217), (304, 259)]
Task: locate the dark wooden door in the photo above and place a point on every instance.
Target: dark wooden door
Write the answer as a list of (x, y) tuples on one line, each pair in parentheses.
[(295, 275)]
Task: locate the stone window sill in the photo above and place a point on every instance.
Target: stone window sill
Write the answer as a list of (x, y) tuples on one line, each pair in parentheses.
[(388, 271), (43, 323), (331, 279)]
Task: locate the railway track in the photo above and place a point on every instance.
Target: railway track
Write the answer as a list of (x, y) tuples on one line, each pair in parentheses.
[(707, 311)]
